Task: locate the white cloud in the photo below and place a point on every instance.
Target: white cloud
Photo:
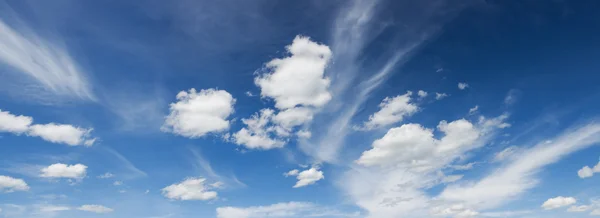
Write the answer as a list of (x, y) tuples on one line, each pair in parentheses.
[(289, 209), (463, 86), (304, 134), (457, 210), (196, 114), (59, 170), (393, 110), (52, 208), (62, 133), (580, 208), (595, 212), (306, 177), (10, 184), (558, 202), (117, 183), (517, 176), (505, 154), (55, 133), (13, 123), (422, 94), (258, 133), (190, 189), (474, 109), (292, 117), (440, 96), (106, 175), (95, 208), (44, 62), (299, 78), (587, 172)]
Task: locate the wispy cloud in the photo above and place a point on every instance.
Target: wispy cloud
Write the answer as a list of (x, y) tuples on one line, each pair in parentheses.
[(47, 64), (135, 172)]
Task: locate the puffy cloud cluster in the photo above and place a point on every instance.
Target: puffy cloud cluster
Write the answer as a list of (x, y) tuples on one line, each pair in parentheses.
[(59, 170), (10, 184), (306, 177), (587, 172), (190, 189), (196, 114), (52, 132), (392, 110), (299, 88), (558, 202)]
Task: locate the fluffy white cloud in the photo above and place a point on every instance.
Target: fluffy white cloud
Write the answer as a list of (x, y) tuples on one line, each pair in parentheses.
[(106, 175), (190, 189), (45, 62), (299, 78), (196, 114), (292, 117), (288, 209), (62, 133), (517, 176), (440, 96), (392, 177), (258, 133), (10, 184), (393, 110), (587, 172), (580, 208), (52, 208), (95, 208), (463, 86), (457, 210), (306, 177), (59, 170), (595, 212), (55, 133), (558, 202), (13, 123), (422, 94)]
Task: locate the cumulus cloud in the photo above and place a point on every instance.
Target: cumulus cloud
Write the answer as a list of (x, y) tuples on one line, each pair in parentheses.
[(580, 208), (55, 133), (463, 86), (457, 211), (288, 209), (299, 78), (44, 62), (306, 177), (10, 184), (558, 202), (474, 109), (59, 170), (259, 132), (190, 189), (196, 114), (13, 123), (422, 94), (392, 110), (95, 208), (587, 172), (106, 175), (62, 133), (440, 96)]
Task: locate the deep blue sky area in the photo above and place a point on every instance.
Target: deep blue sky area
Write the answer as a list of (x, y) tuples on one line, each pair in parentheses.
[(263, 108)]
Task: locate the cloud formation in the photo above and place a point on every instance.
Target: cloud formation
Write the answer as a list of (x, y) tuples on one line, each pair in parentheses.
[(190, 189), (10, 184)]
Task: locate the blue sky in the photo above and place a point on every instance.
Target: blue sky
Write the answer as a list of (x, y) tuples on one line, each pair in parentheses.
[(242, 109)]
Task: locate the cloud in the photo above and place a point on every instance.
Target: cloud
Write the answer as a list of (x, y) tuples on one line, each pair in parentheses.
[(46, 63), (117, 183), (292, 117), (457, 211), (13, 123), (106, 175), (55, 133), (440, 96), (392, 110), (258, 133), (196, 114), (463, 86), (587, 172), (52, 208), (518, 175), (189, 189), (306, 177), (580, 208), (558, 202), (422, 94), (59, 170), (95, 208), (505, 154), (62, 133), (474, 109), (10, 184), (299, 78), (288, 209)]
